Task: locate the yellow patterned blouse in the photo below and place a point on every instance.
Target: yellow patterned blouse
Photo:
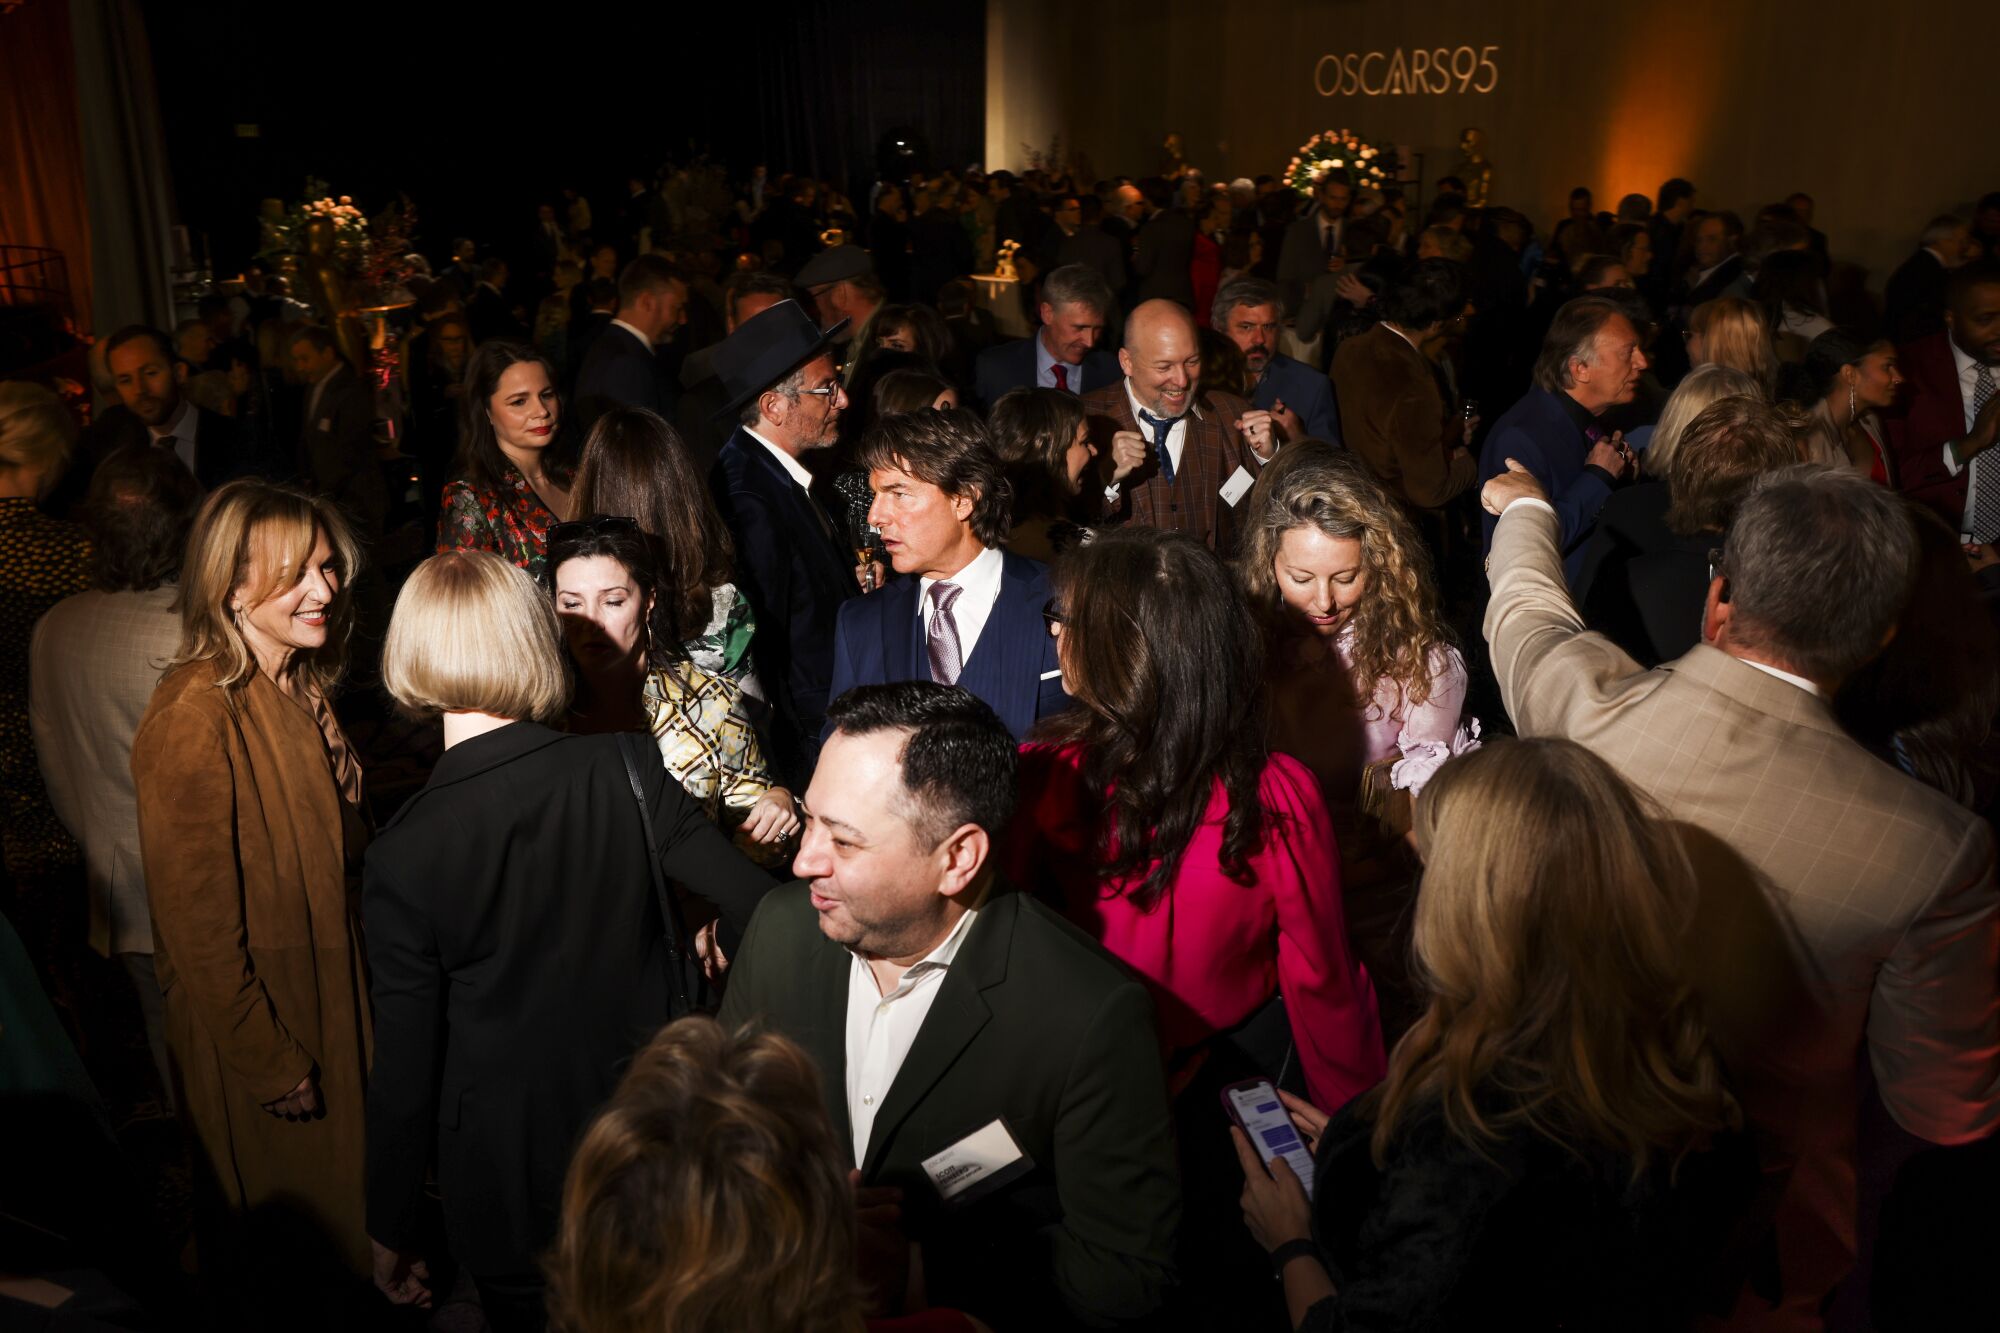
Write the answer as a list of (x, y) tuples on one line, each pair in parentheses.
[(702, 726)]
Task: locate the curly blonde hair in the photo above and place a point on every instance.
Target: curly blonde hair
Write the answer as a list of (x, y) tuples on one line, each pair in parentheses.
[(1396, 625)]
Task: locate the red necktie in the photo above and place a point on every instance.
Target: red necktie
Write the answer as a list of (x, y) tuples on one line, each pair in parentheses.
[(1062, 375)]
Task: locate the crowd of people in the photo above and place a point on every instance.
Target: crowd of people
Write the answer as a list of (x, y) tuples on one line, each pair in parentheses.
[(1451, 768)]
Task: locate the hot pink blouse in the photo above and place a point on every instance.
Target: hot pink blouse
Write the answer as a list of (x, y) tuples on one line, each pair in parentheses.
[(1214, 951)]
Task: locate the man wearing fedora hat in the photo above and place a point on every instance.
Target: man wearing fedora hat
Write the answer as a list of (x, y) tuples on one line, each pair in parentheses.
[(793, 560)]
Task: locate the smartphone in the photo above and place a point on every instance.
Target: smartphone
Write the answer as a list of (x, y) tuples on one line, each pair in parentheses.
[(1253, 1106)]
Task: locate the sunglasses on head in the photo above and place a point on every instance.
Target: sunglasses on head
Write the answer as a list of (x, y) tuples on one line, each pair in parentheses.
[(600, 525)]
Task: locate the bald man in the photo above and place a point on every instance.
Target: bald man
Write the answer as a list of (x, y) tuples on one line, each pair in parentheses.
[(1170, 454)]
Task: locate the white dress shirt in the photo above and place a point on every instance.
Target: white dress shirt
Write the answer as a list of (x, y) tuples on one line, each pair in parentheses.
[(312, 400), (882, 1028), (1968, 374), (980, 580), (785, 460), (1176, 435), (179, 434), (1328, 228)]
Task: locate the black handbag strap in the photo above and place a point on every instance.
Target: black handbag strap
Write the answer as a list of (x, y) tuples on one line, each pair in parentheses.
[(669, 918)]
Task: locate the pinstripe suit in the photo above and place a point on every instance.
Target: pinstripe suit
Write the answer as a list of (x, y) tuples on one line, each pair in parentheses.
[(1211, 451), (1876, 927)]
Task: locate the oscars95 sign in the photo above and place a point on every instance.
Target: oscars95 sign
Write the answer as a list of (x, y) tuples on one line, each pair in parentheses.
[(1434, 70)]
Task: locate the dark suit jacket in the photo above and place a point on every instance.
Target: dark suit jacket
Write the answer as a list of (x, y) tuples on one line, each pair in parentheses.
[(618, 372), (1302, 389), (1913, 300), (1538, 434), (487, 315), (1160, 258), (797, 576), (1643, 585), (1397, 420), (1013, 667), (584, 331), (1035, 1024), (515, 944), (1301, 258), (1930, 412), (337, 451), (1011, 365), (1210, 455), (1095, 248)]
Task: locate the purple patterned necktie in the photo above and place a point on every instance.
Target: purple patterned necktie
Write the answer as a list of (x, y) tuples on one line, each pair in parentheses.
[(946, 658)]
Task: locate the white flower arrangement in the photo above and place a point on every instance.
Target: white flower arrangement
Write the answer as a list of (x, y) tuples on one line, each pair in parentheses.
[(1343, 152)]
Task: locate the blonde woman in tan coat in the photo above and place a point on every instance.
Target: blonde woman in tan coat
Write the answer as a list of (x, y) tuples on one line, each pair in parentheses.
[(249, 820)]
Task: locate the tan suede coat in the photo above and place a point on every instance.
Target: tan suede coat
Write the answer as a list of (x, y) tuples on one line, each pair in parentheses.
[(246, 839)]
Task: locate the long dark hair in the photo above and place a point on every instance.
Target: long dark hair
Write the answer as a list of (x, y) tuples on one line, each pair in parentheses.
[(1033, 429), (479, 459), (620, 539), (1162, 653), (636, 464)]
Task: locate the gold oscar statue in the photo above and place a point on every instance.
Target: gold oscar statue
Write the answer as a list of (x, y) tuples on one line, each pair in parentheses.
[(1473, 168), (326, 289)]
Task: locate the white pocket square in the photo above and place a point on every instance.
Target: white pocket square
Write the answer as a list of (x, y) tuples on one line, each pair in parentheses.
[(1051, 675)]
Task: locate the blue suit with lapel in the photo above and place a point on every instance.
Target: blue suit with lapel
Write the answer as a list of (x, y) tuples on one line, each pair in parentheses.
[(1303, 390), (797, 576), (880, 639), (1538, 433), (1012, 366)]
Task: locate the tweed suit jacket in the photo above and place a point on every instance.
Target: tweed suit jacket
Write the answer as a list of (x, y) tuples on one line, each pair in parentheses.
[(1211, 451), (1847, 908)]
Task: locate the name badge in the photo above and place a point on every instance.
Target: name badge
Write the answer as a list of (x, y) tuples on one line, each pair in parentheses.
[(1236, 487), (977, 1164)]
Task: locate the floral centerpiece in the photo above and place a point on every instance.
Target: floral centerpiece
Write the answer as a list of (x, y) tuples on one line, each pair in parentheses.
[(1342, 153), (375, 254), (1003, 260)]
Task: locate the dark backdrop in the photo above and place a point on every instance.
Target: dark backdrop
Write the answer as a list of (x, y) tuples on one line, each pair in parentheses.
[(479, 117)]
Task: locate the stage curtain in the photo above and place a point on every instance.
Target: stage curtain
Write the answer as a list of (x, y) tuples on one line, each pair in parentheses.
[(125, 165), (43, 200)]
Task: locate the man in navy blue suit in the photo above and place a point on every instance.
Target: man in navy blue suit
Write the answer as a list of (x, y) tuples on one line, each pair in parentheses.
[(1590, 362), (793, 559), (1065, 353), (964, 612), (1250, 313)]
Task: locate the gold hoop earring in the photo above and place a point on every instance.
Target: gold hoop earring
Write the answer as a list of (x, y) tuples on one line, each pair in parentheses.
[(1852, 411)]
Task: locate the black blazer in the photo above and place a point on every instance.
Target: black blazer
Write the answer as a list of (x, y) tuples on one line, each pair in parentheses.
[(1011, 365), (337, 450), (1642, 585), (618, 372), (515, 946), (1160, 258), (796, 575), (1033, 1023)]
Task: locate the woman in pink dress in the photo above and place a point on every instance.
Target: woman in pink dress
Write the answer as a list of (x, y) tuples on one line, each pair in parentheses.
[(1366, 689), (1155, 817)]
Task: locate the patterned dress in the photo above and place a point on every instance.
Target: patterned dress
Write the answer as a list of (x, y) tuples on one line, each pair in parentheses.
[(723, 646), (42, 561), (511, 521), (702, 727)]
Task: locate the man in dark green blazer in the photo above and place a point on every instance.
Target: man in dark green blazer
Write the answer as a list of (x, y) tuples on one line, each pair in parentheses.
[(982, 1057)]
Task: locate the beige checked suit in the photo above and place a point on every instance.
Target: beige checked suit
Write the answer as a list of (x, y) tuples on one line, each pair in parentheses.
[(1873, 924)]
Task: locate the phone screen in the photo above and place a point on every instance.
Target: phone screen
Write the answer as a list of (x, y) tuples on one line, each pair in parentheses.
[(1269, 1126)]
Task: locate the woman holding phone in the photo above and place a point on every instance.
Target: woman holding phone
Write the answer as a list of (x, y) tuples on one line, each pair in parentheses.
[(1553, 1144)]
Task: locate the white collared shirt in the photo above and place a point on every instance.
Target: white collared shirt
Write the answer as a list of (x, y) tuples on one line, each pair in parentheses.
[(1968, 375), (1176, 435), (1045, 375), (312, 404), (980, 580), (882, 1028), (179, 434), (785, 460), (644, 341), (1323, 227)]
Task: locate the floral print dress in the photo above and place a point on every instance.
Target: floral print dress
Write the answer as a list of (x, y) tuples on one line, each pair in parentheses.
[(510, 521)]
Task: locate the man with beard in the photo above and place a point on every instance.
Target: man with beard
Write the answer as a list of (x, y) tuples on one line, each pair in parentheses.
[(151, 383), (1172, 455), (1249, 312), (1943, 430)]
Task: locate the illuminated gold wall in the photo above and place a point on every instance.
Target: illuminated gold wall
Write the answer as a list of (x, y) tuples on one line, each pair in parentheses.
[(1881, 112)]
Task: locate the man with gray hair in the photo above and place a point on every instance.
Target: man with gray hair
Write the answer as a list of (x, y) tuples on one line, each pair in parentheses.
[(1844, 908), (1250, 313), (1066, 353), (1913, 302), (1591, 361)]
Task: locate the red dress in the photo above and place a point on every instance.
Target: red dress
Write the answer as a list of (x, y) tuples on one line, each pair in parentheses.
[(1205, 272), (1214, 951)]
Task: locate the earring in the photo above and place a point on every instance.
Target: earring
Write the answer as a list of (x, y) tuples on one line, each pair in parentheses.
[(1852, 413)]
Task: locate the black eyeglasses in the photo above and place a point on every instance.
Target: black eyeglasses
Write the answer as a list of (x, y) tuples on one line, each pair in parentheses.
[(598, 525), (1054, 616)]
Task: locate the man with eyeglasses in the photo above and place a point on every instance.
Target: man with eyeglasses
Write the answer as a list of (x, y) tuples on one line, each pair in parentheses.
[(793, 559)]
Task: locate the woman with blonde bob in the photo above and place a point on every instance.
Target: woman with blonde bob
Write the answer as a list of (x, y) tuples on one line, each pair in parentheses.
[(1553, 1144), (250, 826), (520, 937), (1366, 687), (1730, 331), (709, 1194)]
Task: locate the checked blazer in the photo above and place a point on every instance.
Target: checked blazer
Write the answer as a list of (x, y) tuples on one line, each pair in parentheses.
[(1210, 454)]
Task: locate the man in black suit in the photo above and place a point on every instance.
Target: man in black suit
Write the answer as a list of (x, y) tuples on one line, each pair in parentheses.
[(793, 559), (151, 382), (487, 311), (1312, 241), (1065, 353), (703, 396), (1714, 266), (1913, 302), (1165, 247), (600, 307), (621, 369), (1078, 239), (337, 455), (994, 1072)]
